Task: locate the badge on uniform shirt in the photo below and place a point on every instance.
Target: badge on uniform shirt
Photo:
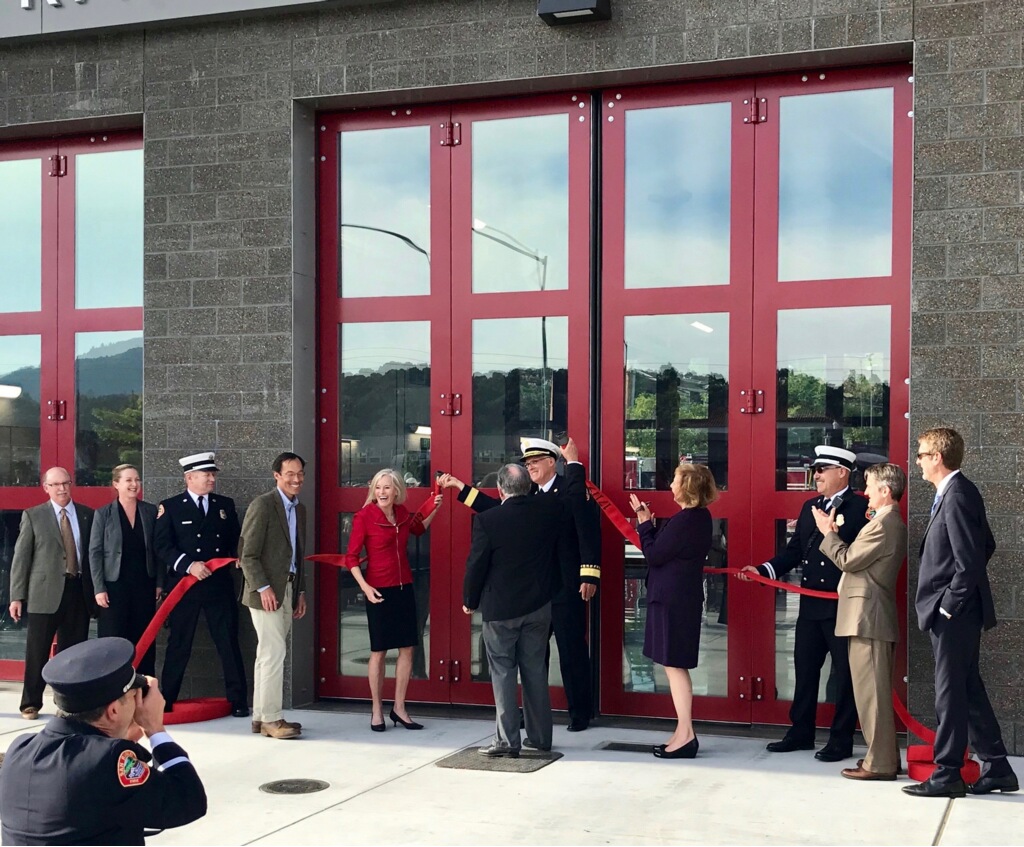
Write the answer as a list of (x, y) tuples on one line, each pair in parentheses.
[(223, 515), (160, 511), (840, 520), (131, 770)]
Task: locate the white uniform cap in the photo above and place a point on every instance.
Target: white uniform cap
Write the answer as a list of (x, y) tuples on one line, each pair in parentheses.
[(198, 462), (829, 456), (533, 447)]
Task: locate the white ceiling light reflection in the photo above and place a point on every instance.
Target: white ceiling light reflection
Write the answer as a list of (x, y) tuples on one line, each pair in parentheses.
[(10, 392), (701, 327)]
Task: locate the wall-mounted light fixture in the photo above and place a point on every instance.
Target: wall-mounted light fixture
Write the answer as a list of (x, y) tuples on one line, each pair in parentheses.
[(558, 12)]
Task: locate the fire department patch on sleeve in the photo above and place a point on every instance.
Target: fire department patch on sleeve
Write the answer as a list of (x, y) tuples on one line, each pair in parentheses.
[(131, 770), (160, 511)]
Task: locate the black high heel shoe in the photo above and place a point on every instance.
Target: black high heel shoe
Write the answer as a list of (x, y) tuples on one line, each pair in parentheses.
[(378, 727), (407, 724), (687, 751)]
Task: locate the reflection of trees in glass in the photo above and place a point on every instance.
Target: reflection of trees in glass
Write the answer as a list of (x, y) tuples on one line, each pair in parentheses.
[(19, 435), (108, 410)]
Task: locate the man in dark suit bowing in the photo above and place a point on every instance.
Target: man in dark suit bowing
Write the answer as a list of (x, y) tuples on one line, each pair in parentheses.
[(954, 603), (50, 581), (579, 563), (192, 528), (511, 576), (816, 622)]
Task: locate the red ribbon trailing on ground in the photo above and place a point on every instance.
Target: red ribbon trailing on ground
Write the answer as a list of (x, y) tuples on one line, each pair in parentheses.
[(628, 531), (170, 601)]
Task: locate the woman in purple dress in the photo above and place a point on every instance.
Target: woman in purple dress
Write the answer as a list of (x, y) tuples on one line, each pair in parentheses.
[(675, 550)]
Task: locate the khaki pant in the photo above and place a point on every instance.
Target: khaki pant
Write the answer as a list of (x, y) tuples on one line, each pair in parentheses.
[(871, 669), (272, 630)]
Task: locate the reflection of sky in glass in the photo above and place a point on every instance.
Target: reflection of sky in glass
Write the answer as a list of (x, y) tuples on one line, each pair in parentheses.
[(835, 185), (829, 343), (677, 196), (368, 347), (521, 196), (19, 363), (655, 341), (507, 343), (385, 212), (21, 234), (108, 229)]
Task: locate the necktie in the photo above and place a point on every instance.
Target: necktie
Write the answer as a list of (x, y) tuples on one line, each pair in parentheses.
[(826, 505), (70, 551), (935, 504), (202, 506)]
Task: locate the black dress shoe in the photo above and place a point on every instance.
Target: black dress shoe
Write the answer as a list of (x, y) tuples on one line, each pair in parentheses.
[(788, 745), (833, 753), (578, 724), (687, 751), (988, 784), (407, 724), (497, 751), (378, 727), (529, 745), (936, 789), (238, 711)]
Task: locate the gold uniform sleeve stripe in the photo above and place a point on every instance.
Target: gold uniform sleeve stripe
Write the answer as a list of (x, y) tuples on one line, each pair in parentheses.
[(593, 571), (470, 497)]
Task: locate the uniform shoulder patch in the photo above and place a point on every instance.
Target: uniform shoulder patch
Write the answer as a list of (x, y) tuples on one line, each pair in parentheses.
[(131, 770), (223, 515), (160, 511)]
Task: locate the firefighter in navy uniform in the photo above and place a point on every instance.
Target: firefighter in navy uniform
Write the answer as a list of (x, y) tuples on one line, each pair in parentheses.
[(580, 572), (80, 780), (816, 622), (191, 528)]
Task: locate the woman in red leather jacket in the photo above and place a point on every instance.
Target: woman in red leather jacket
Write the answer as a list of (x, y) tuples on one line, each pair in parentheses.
[(383, 527)]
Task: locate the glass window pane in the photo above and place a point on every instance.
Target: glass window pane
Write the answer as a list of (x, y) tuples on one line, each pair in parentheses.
[(677, 397), (108, 403), (678, 165), (353, 635), (21, 228), (835, 185), (385, 401), (12, 635), (520, 388), (19, 409), (385, 212), (710, 677), (108, 229), (521, 204), (833, 388)]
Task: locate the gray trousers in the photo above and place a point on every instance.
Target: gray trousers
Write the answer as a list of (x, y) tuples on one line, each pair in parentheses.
[(520, 644)]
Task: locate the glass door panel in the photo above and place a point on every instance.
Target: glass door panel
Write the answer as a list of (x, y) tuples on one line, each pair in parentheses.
[(21, 234), (20, 374)]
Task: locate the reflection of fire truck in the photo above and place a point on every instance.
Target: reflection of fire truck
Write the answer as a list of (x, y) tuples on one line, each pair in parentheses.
[(639, 470)]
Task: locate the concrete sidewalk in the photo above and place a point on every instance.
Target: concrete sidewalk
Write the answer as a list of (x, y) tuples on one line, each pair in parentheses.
[(386, 789)]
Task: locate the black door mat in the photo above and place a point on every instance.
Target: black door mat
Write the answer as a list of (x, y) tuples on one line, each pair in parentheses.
[(468, 759)]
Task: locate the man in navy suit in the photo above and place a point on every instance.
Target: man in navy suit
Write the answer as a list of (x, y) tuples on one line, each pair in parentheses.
[(954, 603)]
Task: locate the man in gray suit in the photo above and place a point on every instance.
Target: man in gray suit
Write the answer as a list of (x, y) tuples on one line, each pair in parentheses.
[(867, 612), (50, 581), (512, 574), (271, 555)]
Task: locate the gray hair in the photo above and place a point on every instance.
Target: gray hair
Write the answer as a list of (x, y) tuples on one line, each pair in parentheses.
[(891, 476), (514, 480)]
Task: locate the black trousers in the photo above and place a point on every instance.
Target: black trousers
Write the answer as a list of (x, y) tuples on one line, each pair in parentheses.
[(132, 606), (569, 622), (70, 623), (215, 597), (816, 639), (961, 703)]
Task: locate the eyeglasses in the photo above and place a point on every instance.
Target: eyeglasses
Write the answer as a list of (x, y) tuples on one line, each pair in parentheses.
[(823, 468), (926, 453), (58, 484)]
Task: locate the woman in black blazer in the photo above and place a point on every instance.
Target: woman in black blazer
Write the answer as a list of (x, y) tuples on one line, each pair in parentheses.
[(675, 550), (125, 573)]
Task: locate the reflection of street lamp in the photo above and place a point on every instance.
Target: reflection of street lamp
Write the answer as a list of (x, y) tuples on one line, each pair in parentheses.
[(10, 392), (506, 239), (403, 238)]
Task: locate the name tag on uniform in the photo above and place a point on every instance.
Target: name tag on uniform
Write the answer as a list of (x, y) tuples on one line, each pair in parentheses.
[(186, 523)]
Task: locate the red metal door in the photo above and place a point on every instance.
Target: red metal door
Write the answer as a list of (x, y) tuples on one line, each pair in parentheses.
[(756, 299), (472, 247)]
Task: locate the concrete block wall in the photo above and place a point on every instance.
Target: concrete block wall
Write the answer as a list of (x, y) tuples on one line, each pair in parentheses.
[(217, 104)]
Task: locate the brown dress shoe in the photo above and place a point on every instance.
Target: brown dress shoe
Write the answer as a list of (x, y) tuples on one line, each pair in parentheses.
[(30, 713), (278, 729), (899, 766), (860, 773), (257, 724)]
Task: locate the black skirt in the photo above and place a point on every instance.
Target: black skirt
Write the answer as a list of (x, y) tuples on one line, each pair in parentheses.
[(392, 623)]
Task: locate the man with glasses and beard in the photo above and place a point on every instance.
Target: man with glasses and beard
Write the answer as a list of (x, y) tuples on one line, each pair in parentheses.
[(816, 622)]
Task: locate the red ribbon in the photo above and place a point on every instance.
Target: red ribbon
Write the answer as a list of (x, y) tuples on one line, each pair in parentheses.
[(170, 601)]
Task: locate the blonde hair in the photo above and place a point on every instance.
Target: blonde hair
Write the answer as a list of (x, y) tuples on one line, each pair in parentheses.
[(396, 480), (115, 474), (697, 485)]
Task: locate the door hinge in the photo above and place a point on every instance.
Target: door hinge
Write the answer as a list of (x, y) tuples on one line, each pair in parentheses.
[(58, 410), (58, 165), (744, 688), (757, 110), (451, 405), (751, 688), (451, 134), (751, 401)]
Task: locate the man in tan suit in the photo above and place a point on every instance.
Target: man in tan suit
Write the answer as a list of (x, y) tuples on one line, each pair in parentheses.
[(50, 581), (271, 555), (867, 613)]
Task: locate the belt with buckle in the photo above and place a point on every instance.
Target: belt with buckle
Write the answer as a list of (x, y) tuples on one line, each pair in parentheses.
[(291, 577)]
